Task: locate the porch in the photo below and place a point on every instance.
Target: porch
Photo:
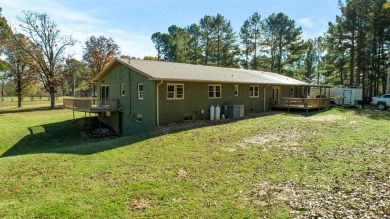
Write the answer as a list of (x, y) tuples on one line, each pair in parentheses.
[(91, 105), (300, 103)]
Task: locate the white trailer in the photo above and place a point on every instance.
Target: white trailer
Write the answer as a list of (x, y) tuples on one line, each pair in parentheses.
[(341, 95)]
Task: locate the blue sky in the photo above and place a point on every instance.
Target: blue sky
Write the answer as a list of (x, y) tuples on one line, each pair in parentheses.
[(131, 23)]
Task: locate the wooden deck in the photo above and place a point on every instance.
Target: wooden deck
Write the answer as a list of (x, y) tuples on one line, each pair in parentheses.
[(92, 105), (300, 103)]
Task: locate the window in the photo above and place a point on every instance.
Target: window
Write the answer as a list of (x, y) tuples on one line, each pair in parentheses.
[(215, 91), (292, 92), (253, 91), (138, 117), (140, 91), (122, 90), (236, 90), (175, 91)]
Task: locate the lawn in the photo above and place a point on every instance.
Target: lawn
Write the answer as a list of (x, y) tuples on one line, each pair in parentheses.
[(332, 163)]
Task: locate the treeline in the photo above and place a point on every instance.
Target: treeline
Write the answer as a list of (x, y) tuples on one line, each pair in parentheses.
[(273, 44), (357, 44), (36, 59), (351, 53)]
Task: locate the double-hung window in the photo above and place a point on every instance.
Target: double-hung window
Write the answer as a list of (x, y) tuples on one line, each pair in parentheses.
[(215, 91), (122, 90), (236, 90), (254, 91), (175, 91), (140, 91)]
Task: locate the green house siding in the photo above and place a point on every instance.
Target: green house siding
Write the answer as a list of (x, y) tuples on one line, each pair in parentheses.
[(127, 120), (196, 99), (124, 121)]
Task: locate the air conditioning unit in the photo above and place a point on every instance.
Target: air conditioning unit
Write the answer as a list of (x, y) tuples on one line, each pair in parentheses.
[(234, 111)]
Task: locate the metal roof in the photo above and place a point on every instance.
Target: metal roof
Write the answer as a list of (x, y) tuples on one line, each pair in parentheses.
[(160, 70)]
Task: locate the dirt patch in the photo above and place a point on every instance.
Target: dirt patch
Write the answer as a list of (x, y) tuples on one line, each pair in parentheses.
[(369, 199), (139, 204), (287, 137), (324, 118), (181, 174)]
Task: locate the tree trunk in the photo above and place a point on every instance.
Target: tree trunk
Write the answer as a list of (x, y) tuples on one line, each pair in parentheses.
[(2, 91), (52, 100), (19, 93)]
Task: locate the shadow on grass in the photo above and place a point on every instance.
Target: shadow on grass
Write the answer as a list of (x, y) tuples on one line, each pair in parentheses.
[(65, 137), (27, 109)]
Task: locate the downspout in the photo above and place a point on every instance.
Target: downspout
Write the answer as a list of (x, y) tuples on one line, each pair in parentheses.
[(158, 104), (265, 95)]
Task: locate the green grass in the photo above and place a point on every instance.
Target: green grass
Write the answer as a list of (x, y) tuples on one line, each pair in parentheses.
[(273, 165)]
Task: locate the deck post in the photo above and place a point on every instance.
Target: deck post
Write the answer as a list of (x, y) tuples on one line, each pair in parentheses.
[(73, 115)]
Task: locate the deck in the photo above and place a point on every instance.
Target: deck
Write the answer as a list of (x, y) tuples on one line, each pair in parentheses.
[(92, 105), (300, 103)]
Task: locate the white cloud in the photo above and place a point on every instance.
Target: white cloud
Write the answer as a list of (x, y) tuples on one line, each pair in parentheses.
[(306, 22), (81, 25)]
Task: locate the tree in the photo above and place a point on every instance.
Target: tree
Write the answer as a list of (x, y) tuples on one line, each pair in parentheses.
[(177, 40), (282, 41), (4, 34), (20, 65), (206, 25), (48, 50), (251, 38), (98, 52), (74, 77), (245, 37), (195, 46), (158, 41)]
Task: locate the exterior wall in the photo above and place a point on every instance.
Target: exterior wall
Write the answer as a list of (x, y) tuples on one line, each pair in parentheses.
[(124, 121), (196, 99)]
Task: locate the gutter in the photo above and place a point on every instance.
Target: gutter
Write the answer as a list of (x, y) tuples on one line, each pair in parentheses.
[(265, 95), (158, 104)]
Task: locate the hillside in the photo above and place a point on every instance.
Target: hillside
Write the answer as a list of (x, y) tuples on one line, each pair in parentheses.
[(332, 163)]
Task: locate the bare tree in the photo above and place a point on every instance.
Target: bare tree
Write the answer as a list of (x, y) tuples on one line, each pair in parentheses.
[(49, 51)]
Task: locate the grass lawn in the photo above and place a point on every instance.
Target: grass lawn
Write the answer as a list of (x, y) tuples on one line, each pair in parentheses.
[(332, 163)]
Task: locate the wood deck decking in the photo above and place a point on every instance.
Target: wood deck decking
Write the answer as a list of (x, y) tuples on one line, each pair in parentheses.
[(300, 103)]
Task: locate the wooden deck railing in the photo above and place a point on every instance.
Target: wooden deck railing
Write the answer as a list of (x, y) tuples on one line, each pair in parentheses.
[(90, 104), (305, 103)]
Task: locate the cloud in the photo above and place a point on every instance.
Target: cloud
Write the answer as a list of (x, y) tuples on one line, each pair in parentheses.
[(81, 24), (306, 22)]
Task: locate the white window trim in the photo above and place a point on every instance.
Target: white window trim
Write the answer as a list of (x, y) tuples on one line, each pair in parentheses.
[(214, 91), (122, 90), (254, 91), (175, 91), (139, 92), (238, 90)]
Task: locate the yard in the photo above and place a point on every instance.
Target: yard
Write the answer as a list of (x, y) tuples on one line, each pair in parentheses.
[(331, 163)]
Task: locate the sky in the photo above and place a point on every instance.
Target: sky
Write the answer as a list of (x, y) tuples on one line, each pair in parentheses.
[(131, 23)]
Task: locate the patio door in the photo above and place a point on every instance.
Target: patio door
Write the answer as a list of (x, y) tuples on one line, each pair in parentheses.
[(276, 94), (104, 94)]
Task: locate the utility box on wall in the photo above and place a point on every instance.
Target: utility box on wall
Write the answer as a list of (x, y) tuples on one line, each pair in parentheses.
[(234, 111)]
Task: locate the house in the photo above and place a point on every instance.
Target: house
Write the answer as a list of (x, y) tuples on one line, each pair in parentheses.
[(134, 96)]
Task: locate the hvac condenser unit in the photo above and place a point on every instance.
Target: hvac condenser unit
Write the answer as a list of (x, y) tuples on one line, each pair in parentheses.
[(234, 111)]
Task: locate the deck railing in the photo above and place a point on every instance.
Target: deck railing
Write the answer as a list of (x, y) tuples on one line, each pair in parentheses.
[(91, 104), (301, 102)]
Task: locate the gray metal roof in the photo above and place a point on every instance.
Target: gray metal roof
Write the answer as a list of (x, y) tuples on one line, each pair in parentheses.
[(160, 70)]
